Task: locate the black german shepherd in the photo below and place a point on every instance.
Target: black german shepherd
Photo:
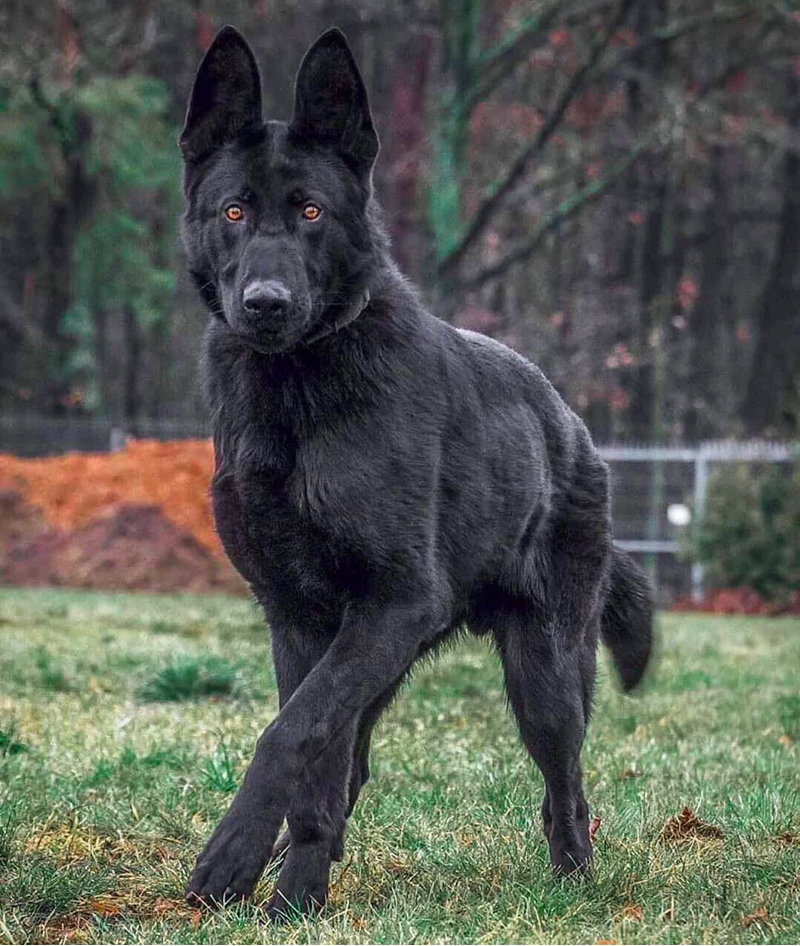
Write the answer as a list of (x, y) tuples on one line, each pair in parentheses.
[(382, 478)]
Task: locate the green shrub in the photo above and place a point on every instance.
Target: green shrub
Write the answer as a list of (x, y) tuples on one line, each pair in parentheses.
[(52, 677), (750, 535), (193, 679), (9, 744), (219, 771)]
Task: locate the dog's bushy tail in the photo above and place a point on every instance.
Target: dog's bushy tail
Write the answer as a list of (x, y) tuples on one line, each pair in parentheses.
[(627, 622)]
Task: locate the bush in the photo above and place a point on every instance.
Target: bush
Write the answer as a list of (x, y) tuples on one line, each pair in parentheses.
[(750, 536), (193, 679)]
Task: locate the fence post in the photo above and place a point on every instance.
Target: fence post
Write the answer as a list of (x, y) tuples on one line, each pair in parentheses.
[(117, 439), (700, 486)]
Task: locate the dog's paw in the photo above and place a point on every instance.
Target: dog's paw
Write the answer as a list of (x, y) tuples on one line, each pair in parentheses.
[(571, 859), (303, 883), (229, 866), (280, 910)]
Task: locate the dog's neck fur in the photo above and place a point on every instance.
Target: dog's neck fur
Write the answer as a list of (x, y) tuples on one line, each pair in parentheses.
[(344, 317)]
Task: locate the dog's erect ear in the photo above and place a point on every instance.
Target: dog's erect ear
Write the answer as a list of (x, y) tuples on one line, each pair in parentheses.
[(226, 96), (331, 105)]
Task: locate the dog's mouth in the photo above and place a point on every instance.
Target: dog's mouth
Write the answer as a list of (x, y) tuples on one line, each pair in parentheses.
[(264, 334), (266, 343), (259, 346), (269, 340)]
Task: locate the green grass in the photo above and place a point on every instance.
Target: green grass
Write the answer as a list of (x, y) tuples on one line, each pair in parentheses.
[(192, 678), (113, 770)]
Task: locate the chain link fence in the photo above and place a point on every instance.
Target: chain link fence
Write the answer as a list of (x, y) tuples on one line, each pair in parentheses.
[(660, 491)]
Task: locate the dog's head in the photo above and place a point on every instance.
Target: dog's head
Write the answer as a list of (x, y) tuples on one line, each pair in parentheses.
[(278, 229)]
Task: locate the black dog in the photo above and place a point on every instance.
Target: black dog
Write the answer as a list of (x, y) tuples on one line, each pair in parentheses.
[(382, 479)]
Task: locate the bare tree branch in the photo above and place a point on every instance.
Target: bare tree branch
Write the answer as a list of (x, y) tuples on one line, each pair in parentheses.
[(500, 62), (12, 316), (668, 34), (517, 170), (586, 195), (566, 209)]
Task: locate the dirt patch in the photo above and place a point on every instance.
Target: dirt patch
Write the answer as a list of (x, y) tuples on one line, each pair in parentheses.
[(131, 547), (138, 519), (20, 522), (687, 825), (111, 909), (72, 490)]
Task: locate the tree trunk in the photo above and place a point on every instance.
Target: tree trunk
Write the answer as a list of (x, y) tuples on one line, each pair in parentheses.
[(404, 151), (133, 349), (771, 403), (651, 190), (68, 211), (701, 417)]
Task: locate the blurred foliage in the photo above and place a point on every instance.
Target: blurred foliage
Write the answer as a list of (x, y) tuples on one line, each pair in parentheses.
[(750, 534), (461, 48), (114, 135), (609, 188)]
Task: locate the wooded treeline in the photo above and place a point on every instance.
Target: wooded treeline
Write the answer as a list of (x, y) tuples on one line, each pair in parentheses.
[(610, 186)]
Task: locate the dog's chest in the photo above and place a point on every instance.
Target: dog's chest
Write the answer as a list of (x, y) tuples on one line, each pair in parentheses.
[(272, 517)]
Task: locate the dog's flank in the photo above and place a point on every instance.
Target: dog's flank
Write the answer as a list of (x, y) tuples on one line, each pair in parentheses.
[(382, 479)]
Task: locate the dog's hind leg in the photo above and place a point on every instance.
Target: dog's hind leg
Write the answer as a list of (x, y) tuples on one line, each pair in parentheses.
[(550, 692)]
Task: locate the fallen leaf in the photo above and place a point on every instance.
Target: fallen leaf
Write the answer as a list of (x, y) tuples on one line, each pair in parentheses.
[(104, 906), (631, 912), (786, 740), (688, 825), (194, 919), (162, 905), (607, 942), (759, 915), (789, 837), (594, 824), (68, 929)]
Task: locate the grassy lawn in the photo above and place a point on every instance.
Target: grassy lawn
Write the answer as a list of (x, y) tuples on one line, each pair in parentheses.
[(126, 723)]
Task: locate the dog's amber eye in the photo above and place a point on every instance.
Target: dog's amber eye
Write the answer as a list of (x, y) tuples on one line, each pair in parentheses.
[(234, 213), (311, 212)]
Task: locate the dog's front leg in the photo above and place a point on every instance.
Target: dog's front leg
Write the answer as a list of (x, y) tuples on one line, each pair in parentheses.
[(373, 648)]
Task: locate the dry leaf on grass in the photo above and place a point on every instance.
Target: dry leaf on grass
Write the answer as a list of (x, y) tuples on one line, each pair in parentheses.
[(789, 837), (104, 906), (688, 825), (631, 912), (163, 905), (594, 824), (757, 917), (68, 929)]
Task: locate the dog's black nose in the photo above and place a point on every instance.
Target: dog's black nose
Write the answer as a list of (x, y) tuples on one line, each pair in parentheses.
[(266, 297)]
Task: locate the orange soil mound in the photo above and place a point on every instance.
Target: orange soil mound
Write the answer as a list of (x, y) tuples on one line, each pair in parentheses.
[(72, 490), (132, 547), (20, 523)]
